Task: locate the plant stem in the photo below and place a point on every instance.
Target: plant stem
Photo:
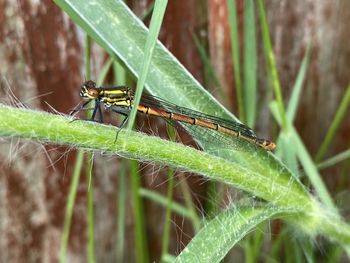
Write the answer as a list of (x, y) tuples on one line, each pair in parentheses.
[(277, 188)]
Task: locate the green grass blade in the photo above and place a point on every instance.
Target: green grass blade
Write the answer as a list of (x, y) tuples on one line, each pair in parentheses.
[(210, 74), (104, 71), (156, 22), (167, 219), (287, 151), (250, 63), (186, 191), (90, 206), (119, 73), (334, 160), (270, 57), (168, 212), (163, 201), (276, 246), (140, 235), (232, 15), (334, 126), (295, 97), (308, 250), (70, 205), (252, 244), (121, 216), (141, 249), (219, 235), (312, 173), (87, 57)]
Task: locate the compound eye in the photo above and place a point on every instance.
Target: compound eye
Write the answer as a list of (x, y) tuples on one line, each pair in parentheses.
[(93, 93), (89, 90)]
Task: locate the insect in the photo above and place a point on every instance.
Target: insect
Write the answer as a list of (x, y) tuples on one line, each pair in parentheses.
[(120, 99)]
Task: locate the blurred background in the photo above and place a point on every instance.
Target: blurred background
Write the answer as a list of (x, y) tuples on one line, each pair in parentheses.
[(42, 63)]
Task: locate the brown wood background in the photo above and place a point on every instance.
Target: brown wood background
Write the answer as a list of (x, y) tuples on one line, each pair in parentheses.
[(42, 62)]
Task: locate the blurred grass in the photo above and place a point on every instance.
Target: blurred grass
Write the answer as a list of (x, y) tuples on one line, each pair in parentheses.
[(272, 67), (250, 63), (163, 201), (232, 14), (210, 76), (286, 150), (170, 192), (70, 205), (331, 133), (90, 209), (334, 160), (141, 245), (121, 214)]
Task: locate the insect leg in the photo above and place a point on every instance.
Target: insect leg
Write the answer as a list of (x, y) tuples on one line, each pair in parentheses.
[(100, 112), (95, 110), (80, 108), (124, 112)]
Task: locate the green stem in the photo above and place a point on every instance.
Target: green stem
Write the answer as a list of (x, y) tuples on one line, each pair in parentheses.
[(186, 191), (121, 210), (232, 13), (331, 133), (167, 221), (163, 201), (273, 181), (70, 205), (90, 206), (272, 64), (276, 187), (139, 218)]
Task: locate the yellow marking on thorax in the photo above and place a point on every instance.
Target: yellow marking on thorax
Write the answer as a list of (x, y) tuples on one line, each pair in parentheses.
[(114, 99), (124, 103), (113, 92), (117, 101)]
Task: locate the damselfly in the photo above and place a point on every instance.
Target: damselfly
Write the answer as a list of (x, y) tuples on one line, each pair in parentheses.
[(120, 99)]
